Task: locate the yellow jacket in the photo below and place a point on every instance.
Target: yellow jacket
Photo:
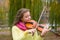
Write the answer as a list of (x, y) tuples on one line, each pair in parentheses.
[(18, 34)]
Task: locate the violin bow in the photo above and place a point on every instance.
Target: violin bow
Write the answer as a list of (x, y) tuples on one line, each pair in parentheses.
[(40, 16)]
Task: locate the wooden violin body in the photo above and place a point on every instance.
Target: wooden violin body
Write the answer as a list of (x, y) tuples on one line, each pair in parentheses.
[(32, 24)]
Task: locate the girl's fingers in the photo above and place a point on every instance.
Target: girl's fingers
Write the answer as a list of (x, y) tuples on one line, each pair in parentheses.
[(31, 31), (49, 29)]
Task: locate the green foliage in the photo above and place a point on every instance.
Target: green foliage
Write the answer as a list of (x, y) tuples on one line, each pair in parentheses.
[(34, 5), (54, 14), (14, 6)]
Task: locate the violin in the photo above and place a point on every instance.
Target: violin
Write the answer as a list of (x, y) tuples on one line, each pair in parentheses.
[(32, 24)]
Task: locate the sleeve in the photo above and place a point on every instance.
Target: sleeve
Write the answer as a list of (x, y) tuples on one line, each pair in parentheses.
[(17, 34)]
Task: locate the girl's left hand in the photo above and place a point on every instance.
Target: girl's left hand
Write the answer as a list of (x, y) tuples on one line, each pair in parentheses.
[(45, 30)]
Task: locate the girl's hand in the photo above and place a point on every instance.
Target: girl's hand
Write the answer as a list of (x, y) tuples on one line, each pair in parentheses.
[(45, 30), (32, 31)]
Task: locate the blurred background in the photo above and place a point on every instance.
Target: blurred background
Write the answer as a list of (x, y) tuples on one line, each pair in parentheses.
[(9, 8)]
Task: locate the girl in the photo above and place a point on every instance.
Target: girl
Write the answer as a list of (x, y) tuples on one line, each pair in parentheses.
[(19, 29)]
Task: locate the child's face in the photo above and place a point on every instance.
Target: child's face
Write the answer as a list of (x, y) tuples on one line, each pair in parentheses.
[(26, 17)]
